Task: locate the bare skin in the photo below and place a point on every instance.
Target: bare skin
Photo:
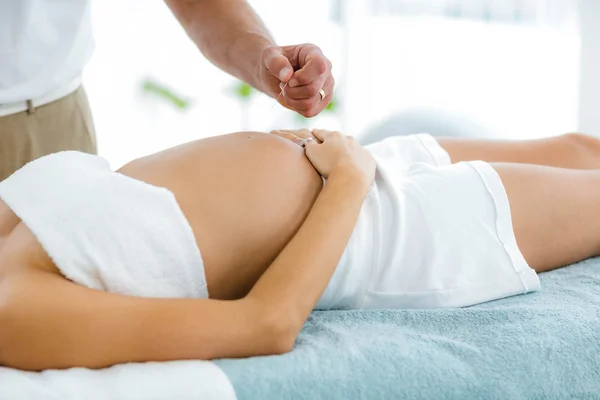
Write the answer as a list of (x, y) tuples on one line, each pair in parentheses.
[(256, 204), (553, 190), (231, 35), (242, 224), (50, 322), (554, 203), (246, 199)]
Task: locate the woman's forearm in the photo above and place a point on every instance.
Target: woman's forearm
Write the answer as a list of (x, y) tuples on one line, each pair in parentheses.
[(228, 32), (48, 322), (297, 278)]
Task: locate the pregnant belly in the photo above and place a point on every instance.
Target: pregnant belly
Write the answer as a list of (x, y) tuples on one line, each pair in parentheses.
[(245, 195)]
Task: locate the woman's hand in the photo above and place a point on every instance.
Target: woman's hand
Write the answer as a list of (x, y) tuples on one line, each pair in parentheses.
[(297, 136), (334, 152)]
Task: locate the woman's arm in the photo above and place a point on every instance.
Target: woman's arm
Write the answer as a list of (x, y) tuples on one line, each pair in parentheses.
[(49, 322), (294, 282), (297, 278)]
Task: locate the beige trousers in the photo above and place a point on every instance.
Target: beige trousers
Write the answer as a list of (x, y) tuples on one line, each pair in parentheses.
[(65, 124)]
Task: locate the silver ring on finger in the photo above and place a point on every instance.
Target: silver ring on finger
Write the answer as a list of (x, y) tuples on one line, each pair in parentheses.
[(304, 142), (322, 94)]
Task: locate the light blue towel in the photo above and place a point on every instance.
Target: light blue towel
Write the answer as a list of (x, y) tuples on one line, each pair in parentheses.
[(542, 345)]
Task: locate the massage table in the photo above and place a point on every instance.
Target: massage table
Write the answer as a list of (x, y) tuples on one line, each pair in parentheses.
[(543, 345)]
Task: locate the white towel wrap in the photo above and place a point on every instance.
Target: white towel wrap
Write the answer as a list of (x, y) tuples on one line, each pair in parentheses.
[(105, 230)]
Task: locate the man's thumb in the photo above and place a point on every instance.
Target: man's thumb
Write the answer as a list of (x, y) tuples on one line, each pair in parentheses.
[(277, 64)]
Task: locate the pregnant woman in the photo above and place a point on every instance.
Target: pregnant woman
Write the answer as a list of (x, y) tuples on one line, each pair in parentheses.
[(222, 247)]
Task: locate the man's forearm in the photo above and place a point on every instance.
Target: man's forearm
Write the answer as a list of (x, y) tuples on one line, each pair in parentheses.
[(228, 32)]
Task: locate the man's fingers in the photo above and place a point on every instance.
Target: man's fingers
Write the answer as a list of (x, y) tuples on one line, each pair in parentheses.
[(277, 64), (305, 91), (316, 66), (304, 98), (309, 107), (309, 88), (328, 88)]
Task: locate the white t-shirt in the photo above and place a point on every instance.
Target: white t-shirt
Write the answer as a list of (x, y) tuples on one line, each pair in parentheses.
[(44, 44)]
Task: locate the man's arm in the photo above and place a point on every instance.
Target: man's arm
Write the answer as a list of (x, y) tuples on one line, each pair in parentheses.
[(232, 36), (229, 34)]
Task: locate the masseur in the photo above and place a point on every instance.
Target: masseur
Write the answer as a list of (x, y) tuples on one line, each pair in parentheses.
[(45, 45)]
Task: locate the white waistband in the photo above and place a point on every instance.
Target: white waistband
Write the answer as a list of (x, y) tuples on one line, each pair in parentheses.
[(20, 106)]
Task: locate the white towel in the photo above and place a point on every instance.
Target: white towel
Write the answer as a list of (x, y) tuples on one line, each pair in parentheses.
[(105, 230), (173, 380)]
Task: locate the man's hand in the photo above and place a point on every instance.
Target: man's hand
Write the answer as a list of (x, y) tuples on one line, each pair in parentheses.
[(231, 35), (307, 73)]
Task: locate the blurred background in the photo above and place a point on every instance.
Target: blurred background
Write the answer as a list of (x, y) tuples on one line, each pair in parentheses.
[(513, 69)]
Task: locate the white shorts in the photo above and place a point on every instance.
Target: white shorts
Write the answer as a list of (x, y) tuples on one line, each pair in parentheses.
[(444, 235)]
